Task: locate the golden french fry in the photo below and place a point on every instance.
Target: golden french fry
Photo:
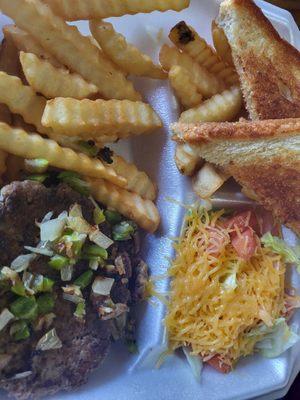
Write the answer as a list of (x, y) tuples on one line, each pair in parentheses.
[(131, 205), (207, 84), (184, 87), (14, 168), (22, 100), (187, 158), (221, 107), (123, 54), (207, 181), (188, 40), (221, 44), (137, 181), (69, 47), (18, 142), (25, 42), (3, 166), (106, 120), (73, 10), (52, 82)]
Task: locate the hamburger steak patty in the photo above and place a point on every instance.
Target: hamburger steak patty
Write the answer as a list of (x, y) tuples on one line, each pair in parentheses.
[(84, 343)]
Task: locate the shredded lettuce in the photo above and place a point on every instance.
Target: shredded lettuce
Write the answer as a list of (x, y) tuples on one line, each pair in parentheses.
[(289, 255), (276, 339), (195, 362)]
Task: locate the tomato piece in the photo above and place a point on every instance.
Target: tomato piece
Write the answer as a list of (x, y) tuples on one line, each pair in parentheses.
[(242, 221), (217, 363), (245, 244)]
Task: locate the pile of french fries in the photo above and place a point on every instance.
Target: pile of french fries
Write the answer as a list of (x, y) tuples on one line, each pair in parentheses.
[(207, 86), (60, 89)]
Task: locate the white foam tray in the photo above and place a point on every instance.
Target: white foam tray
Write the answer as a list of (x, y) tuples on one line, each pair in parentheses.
[(126, 377)]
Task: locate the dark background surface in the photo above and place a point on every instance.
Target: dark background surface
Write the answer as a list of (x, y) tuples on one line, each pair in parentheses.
[(294, 392)]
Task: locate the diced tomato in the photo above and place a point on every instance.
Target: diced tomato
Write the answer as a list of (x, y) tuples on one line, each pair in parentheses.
[(217, 363), (245, 243), (242, 221)]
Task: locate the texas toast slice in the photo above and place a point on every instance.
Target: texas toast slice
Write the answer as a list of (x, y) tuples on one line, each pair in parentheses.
[(262, 156), (268, 66)]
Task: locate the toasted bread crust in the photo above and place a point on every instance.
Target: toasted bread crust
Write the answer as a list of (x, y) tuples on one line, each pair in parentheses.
[(242, 130), (269, 67), (276, 187)]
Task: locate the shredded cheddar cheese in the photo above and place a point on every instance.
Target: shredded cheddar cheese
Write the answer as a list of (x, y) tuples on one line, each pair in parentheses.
[(215, 297)]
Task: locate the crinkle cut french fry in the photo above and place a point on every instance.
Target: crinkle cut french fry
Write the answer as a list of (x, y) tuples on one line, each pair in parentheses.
[(72, 10), (221, 107), (3, 159), (188, 40), (52, 82), (184, 88), (123, 54), (221, 44), (25, 42), (207, 84), (187, 158), (22, 100), (22, 144), (129, 204), (137, 181), (69, 47), (102, 119)]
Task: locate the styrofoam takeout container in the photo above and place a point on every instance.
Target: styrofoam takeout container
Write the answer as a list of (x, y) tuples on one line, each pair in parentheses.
[(128, 377)]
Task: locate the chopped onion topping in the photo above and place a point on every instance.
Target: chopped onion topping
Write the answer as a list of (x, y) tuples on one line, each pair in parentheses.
[(76, 221), (73, 298), (40, 250), (102, 285), (5, 317), (11, 275), (76, 211), (47, 217), (52, 229), (21, 375), (107, 313), (21, 263), (100, 239), (72, 289), (44, 322), (66, 273), (49, 341), (27, 281), (94, 264)]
